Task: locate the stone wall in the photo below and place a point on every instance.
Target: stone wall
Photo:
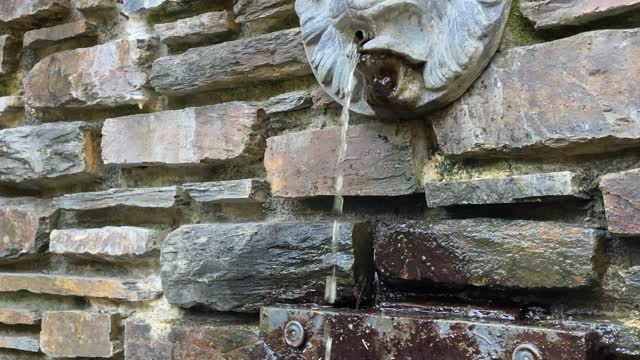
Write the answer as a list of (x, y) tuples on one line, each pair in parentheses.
[(167, 167)]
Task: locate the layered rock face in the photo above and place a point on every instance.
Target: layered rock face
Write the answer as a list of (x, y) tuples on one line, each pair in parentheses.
[(168, 171)]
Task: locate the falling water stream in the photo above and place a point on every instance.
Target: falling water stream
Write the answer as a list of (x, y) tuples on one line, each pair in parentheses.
[(338, 202)]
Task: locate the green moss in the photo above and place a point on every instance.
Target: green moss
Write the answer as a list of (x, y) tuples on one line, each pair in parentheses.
[(520, 31)]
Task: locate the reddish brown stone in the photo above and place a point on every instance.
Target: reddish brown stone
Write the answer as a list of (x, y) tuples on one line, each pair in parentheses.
[(188, 341), (78, 334), (378, 162), (205, 28), (622, 202), (557, 13), (24, 227), (211, 134), (19, 317)]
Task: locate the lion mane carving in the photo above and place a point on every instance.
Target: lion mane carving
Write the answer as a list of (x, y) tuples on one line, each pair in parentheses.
[(415, 56)]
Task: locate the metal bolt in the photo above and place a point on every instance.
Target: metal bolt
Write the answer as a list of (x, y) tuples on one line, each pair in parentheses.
[(294, 334), (526, 352)]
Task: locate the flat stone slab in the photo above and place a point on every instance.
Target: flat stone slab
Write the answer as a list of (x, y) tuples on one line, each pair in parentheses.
[(77, 286), (275, 56), (104, 76), (622, 202), (209, 28), (158, 198), (487, 252), (239, 267), (26, 13), (44, 37), (19, 317), (292, 101), (214, 134), (521, 188), (160, 341), (79, 334), (260, 15), (20, 342), (93, 5), (233, 191), (110, 242), (554, 98), (378, 162), (551, 14), (25, 224), (49, 154)]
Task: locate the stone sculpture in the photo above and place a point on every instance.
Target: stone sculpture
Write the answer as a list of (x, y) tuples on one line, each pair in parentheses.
[(414, 56)]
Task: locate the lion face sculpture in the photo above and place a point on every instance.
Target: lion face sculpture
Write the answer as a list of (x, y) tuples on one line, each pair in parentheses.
[(414, 56)]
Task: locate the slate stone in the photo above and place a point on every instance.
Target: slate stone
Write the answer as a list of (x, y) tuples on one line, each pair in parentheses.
[(11, 111), (19, 317), (233, 191), (275, 56), (161, 7), (78, 334), (378, 162), (100, 77), (20, 342), (262, 15), (621, 193), (487, 252), (216, 134), (44, 37), (160, 198), (522, 188), (49, 154), (64, 285), (293, 101), (111, 243), (9, 47), (554, 98), (27, 13), (205, 28), (93, 5), (558, 13), (175, 341), (239, 267), (25, 224)]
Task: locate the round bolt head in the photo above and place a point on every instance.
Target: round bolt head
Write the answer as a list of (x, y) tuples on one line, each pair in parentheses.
[(526, 352), (294, 334)]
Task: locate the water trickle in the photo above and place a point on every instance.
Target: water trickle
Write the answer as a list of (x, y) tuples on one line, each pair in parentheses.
[(338, 202)]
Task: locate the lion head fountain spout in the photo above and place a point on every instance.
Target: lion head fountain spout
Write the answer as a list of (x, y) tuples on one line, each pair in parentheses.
[(415, 56)]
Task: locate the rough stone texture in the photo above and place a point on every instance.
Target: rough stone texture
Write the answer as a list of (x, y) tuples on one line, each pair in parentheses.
[(77, 286), (557, 13), (274, 56), (19, 317), (26, 13), (205, 28), (297, 100), (103, 76), (106, 243), (11, 111), (91, 5), (523, 188), (8, 55), (187, 341), (261, 15), (622, 202), (379, 162), (233, 191), (52, 153), (24, 227), (556, 96), (22, 343), (211, 134), (238, 267), (162, 198), (488, 252), (78, 334), (157, 6), (39, 38)]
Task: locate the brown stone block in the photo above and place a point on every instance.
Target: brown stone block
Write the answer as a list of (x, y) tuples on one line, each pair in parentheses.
[(378, 162), (622, 202), (40, 38), (79, 334), (488, 252), (111, 243), (205, 28), (216, 134), (19, 317), (24, 227), (558, 13)]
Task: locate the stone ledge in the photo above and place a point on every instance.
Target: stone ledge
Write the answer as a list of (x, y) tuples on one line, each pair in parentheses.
[(109, 243), (552, 14)]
